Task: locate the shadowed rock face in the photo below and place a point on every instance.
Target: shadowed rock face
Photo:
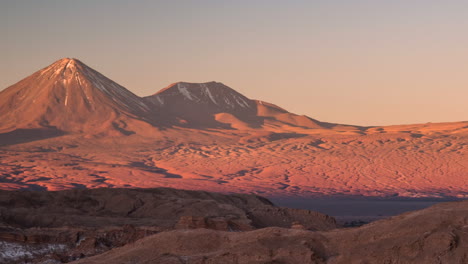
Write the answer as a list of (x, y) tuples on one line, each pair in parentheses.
[(175, 226), (216, 105), (162, 207), (196, 104), (77, 223), (435, 235)]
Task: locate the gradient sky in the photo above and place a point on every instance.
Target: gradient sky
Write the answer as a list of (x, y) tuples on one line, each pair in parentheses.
[(366, 62)]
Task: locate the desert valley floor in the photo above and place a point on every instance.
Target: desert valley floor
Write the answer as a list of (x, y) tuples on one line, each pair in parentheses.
[(405, 161)]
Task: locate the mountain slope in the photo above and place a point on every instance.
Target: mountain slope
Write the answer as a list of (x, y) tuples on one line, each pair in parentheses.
[(71, 97), (214, 104), (196, 104)]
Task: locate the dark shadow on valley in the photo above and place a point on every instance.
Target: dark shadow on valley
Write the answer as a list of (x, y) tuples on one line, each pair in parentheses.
[(358, 208), (21, 135), (143, 166)]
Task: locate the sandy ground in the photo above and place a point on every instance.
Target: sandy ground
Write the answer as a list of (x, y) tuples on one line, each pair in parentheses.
[(426, 160)]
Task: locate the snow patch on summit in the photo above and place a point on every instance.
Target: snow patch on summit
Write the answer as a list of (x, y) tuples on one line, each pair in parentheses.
[(208, 92), (241, 102), (160, 100), (184, 91)]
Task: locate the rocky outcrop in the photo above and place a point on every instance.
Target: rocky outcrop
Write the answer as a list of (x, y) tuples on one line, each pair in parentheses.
[(69, 225), (67, 243), (198, 228), (286, 217), (268, 245), (216, 223), (435, 235)]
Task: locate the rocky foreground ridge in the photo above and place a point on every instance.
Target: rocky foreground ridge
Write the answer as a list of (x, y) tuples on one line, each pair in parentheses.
[(68, 225), (175, 226)]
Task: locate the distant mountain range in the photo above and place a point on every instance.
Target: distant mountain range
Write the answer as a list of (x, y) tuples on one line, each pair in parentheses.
[(68, 126), (72, 97)]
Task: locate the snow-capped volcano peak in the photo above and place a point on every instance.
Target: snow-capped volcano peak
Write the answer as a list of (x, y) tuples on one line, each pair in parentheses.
[(69, 95), (199, 103), (61, 66), (213, 94), (70, 70)]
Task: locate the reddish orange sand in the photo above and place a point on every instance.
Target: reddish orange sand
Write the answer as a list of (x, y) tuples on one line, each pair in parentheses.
[(411, 161)]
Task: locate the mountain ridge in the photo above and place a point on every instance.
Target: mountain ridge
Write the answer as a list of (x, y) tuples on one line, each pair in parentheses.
[(72, 97)]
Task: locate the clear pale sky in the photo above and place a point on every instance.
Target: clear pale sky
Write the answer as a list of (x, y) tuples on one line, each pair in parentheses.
[(369, 62)]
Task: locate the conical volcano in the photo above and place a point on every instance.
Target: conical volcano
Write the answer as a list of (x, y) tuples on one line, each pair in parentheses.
[(72, 97)]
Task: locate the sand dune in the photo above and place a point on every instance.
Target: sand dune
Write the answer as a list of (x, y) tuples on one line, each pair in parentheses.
[(414, 163)]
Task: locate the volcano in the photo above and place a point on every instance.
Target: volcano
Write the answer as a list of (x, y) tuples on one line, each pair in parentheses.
[(197, 104), (69, 96), (214, 104)]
